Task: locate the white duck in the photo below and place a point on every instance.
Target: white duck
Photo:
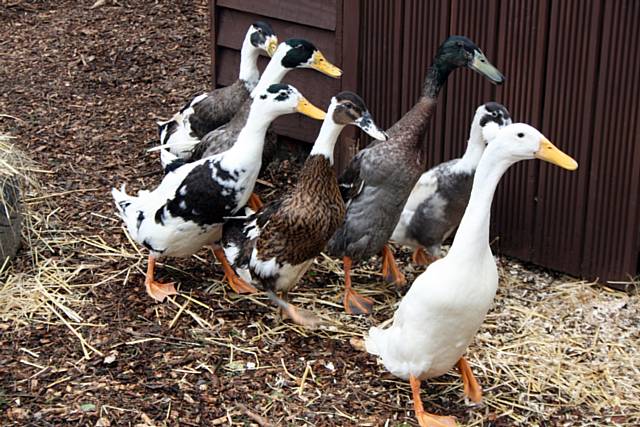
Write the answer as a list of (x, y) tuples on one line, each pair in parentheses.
[(187, 210), (439, 198), (446, 305)]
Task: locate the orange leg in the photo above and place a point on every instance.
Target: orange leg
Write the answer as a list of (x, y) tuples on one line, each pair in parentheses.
[(390, 270), (254, 202), (426, 419), (156, 290), (422, 257), (238, 285), (354, 303), (471, 387)]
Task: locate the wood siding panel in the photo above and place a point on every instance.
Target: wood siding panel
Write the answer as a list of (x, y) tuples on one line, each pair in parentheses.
[(558, 229), (571, 71), (312, 13), (611, 232), (520, 54)]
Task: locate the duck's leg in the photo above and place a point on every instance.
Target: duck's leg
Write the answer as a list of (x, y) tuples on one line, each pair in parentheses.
[(156, 290), (298, 315), (471, 387), (238, 285), (354, 303), (254, 202), (426, 419), (421, 257), (390, 270)]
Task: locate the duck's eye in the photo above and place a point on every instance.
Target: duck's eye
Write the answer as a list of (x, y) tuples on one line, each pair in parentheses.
[(460, 44), (283, 93), (520, 135), (494, 114), (260, 30)]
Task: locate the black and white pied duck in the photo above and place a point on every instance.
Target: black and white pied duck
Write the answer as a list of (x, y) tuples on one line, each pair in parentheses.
[(274, 247), (446, 305), (378, 181), (438, 200), (208, 111), (187, 210), (290, 54)]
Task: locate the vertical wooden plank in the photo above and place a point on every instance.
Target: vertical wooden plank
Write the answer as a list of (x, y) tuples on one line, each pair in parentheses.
[(612, 225), (213, 40), (348, 46), (571, 75), (521, 55)]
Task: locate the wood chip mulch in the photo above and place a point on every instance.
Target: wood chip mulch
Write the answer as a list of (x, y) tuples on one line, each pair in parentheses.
[(82, 344)]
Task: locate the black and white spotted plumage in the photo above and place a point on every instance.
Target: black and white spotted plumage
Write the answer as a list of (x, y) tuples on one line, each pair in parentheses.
[(187, 210), (439, 198)]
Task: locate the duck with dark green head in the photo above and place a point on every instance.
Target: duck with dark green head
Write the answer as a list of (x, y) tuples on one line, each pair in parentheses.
[(379, 179)]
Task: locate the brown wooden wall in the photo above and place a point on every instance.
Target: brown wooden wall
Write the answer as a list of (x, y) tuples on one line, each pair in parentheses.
[(571, 70)]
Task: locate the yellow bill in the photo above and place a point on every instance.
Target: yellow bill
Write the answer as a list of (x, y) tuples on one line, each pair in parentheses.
[(308, 109), (552, 154), (320, 63), (272, 45)]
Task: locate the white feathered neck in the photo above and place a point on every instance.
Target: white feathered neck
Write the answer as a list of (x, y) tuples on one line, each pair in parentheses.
[(328, 136), (472, 237), (249, 72)]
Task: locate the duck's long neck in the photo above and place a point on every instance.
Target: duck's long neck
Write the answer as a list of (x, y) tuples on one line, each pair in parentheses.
[(473, 153), (326, 140), (472, 237), (249, 72), (437, 75), (274, 73), (250, 142)]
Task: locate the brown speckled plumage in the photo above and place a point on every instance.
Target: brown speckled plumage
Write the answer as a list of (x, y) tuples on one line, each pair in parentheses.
[(293, 230), (307, 217)]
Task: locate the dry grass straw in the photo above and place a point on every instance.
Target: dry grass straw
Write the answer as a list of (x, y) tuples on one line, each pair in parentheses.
[(41, 284)]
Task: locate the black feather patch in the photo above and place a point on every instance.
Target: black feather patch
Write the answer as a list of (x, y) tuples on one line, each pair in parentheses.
[(300, 53), (139, 219), (201, 198)]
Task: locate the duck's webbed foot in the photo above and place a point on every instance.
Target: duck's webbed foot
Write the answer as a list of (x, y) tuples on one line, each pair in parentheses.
[(390, 270), (156, 290), (426, 419), (354, 303), (422, 257)]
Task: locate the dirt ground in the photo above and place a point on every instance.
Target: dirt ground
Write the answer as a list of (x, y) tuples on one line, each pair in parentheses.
[(81, 89)]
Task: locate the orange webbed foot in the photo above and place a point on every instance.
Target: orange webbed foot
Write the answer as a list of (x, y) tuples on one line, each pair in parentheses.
[(426, 419), (354, 303), (421, 257), (390, 270), (159, 291)]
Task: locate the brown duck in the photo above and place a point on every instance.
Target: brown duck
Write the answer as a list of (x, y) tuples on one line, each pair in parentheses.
[(273, 248), (379, 179)]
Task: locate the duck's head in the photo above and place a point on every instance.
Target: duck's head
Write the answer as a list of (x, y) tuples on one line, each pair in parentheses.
[(347, 108), (261, 36), (519, 141), (490, 118), (299, 53), (459, 51), (279, 99)]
